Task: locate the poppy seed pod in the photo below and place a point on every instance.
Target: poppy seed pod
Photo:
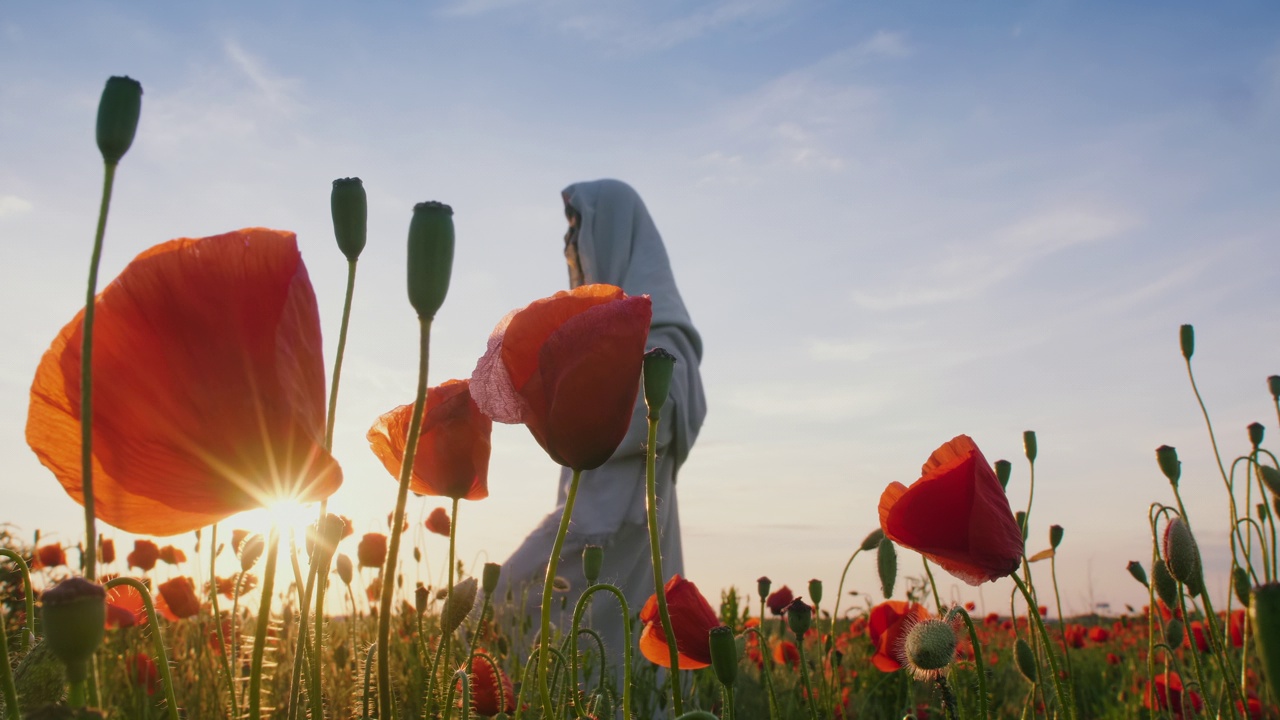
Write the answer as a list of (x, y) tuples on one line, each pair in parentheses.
[(1256, 431), (1025, 660), (799, 616), (1187, 338), (118, 112), (74, 614), (887, 566), (724, 653), (1004, 469), (872, 540), (929, 648), (592, 559), (1029, 444), (815, 591), (763, 583), (350, 209), (430, 257), (658, 366), (344, 568), (1240, 585), (458, 605), (1174, 633), (1166, 586), (1182, 555), (250, 550), (1138, 573), (1055, 536), (421, 596), (489, 577), (1167, 458), (1270, 477), (1264, 612), (1273, 384)]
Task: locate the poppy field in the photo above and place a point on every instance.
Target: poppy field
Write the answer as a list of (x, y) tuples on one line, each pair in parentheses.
[(224, 332)]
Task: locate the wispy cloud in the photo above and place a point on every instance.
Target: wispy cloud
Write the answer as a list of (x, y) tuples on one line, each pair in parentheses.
[(885, 44), (13, 206), (277, 91)]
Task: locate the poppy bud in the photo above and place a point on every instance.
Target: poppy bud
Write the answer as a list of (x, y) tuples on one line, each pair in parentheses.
[(458, 605), (1025, 659), (1240, 584), (799, 616), (1020, 519), (1182, 555), (1004, 468), (74, 614), (1187, 338), (250, 550), (592, 558), (1270, 477), (763, 583), (1264, 611), (1166, 586), (489, 578), (815, 591), (872, 540), (350, 209), (1055, 536), (1135, 569), (1167, 458), (1174, 633), (417, 554), (1273, 384), (1256, 431), (658, 366), (887, 566), (929, 648), (118, 112), (430, 256), (724, 653), (344, 568), (1029, 444), (420, 598), (1263, 512)]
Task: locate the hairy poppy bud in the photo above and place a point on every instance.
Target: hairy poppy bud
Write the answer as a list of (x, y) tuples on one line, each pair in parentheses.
[(1264, 611), (118, 112), (1135, 569), (1270, 477), (1187, 338), (763, 583), (1020, 519), (1025, 659), (887, 566), (350, 209), (724, 653), (1166, 586), (815, 591), (1182, 555), (489, 577), (458, 605), (430, 256), (1004, 469), (592, 559), (929, 648), (421, 596), (1256, 431), (1273, 384), (799, 616), (658, 366), (1055, 536), (74, 613), (344, 568), (1167, 458), (1240, 584), (250, 550), (1029, 444), (872, 540), (1174, 633)]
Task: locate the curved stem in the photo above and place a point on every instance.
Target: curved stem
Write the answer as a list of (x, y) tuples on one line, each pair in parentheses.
[(397, 523), (264, 617), (626, 647), (766, 671), (295, 686), (337, 361), (28, 638), (655, 550), (978, 662), (835, 612), (937, 599), (1062, 627), (544, 632), (157, 637), (1064, 700), (217, 623), (6, 674)]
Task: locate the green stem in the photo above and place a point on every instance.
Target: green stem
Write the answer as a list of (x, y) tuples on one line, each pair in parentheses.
[(217, 623), (766, 671), (157, 638), (460, 678), (937, 599), (264, 618), (28, 637), (368, 660), (1062, 627), (979, 664), (728, 702), (448, 637), (655, 550), (86, 382), (393, 547), (322, 581), (804, 678), (337, 361), (6, 674), (295, 685), (544, 632), (1064, 700), (626, 646)]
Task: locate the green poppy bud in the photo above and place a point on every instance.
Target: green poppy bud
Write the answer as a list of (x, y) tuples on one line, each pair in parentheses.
[(1187, 337), (872, 540), (1020, 518), (250, 550), (592, 559), (430, 256), (724, 653), (1182, 555), (1263, 512), (1167, 459), (1029, 444), (1139, 574), (1025, 659), (1256, 431), (421, 596), (1055, 536), (1003, 469), (1264, 611), (1166, 586), (1174, 633), (118, 112), (1240, 584), (458, 605), (658, 366), (815, 591), (799, 616), (887, 566), (763, 583), (350, 209), (1273, 384), (489, 578), (73, 615), (930, 648), (344, 569), (1270, 477)]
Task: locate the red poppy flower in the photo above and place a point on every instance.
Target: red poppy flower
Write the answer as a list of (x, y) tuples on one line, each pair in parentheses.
[(484, 689), (1198, 634), (1099, 634), (107, 552), (372, 550), (178, 599), (438, 522), (209, 392), (568, 367), (779, 599), (786, 653), (50, 556), (452, 459), (125, 607), (1236, 627), (144, 556), (172, 555), (691, 619), (888, 626), (956, 514), (144, 673), (1168, 695)]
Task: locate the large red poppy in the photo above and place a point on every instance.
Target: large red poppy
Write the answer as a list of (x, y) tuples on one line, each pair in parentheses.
[(125, 607), (178, 599), (452, 458), (372, 550), (691, 619), (484, 689), (144, 556), (208, 387), (568, 367), (888, 626), (956, 514)]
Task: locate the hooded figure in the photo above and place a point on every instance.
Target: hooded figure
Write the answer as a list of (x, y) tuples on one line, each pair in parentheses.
[(613, 240)]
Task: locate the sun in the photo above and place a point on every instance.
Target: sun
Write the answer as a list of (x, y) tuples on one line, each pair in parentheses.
[(286, 516)]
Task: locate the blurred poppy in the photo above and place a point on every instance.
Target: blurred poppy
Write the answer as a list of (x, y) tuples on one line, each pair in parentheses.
[(1168, 695), (178, 599), (125, 607), (1113, 659), (1099, 634), (484, 689), (438, 521), (970, 606), (786, 653), (144, 673), (691, 619), (144, 556), (568, 367), (1236, 626), (779, 599), (172, 555), (107, 551), (452, 459), (50, 556), (372, 550), (956, 514), (888, 626), (1198, 634), (209, 393), (237, 539), (226, 586)]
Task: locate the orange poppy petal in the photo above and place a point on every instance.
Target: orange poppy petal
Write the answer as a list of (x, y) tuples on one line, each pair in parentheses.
[(653, 645)]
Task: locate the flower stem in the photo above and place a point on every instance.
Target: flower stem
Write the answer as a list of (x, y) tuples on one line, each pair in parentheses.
[(337, 361), (1062, 627), (544, 633), (453, 536), (393, 547), (6, 674), (28, 637), (626, 647), (264, 617), (978, 663), (157, 637), (295, 686), (655, 549), (217, 623), (937, 599), (804, 678), (1065, 701)]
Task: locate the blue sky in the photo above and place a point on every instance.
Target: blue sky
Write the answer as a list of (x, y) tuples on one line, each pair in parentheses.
[(892, 222)]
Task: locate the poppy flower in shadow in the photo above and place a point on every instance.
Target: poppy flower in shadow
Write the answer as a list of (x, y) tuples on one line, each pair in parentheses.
[(438, 521), (956, 514), (888, 626), (779, 599), (144, 556), (172, 555), (786, 653), (125, 607), (178, 599), (1168, 695), (144, 673), (484, 689), (372, 550), (452, 459), (691, 619), (48, 556), (568, 367), (107, 551), (209, 392)]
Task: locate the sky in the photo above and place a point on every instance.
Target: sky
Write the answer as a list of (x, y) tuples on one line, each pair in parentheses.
[(892, 223)]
